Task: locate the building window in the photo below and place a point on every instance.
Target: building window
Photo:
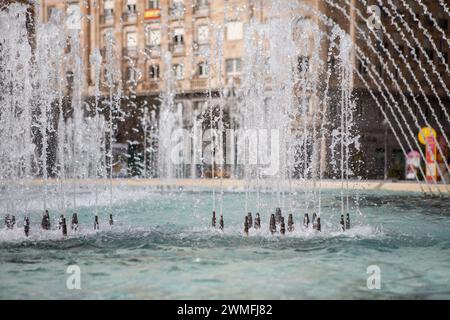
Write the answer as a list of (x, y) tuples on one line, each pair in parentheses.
[(202, 69), (131, 40), (234, 30), (443, 23), (108, 8), (108, 35), (178, 36), (203, 34), (416, 52), (395, 73), (380, 70), (178, 71), (50, 11), (153, 72), (130, 7), (302, 64), (153, 4), (428, 49), (176, 8), (362, 67), (153, 37), (233, 66)]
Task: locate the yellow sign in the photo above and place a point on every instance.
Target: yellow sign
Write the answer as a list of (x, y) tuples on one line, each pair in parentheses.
[(152, 14), (425, 132)]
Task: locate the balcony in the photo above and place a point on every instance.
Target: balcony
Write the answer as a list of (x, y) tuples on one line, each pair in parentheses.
[(199, 83), (201, 10), (151, 85), (153, 51), (130, 52), (200, 48), (233, 80), (177, 49), (107, 19), (129, 17)]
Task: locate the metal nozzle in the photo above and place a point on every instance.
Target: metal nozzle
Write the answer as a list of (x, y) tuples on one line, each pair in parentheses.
[(290, 223)]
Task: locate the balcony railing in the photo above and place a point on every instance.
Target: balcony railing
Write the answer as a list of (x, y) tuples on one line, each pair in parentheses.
[(177, 49), (151, 85), (130, 17), (201, 10), (107, 19), (153, 51), (199, 83), (234, 80), (200, 48), (130, 52)]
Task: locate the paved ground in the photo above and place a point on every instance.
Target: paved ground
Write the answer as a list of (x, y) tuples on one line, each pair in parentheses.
[(240, 185)]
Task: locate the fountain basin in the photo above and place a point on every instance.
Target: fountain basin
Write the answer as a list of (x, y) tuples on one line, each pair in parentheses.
[(162, 247)]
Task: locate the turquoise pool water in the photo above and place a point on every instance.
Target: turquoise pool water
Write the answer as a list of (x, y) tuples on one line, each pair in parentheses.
[(162, 247)]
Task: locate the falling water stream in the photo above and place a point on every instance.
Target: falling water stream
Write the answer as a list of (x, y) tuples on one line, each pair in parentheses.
[(287, 122)]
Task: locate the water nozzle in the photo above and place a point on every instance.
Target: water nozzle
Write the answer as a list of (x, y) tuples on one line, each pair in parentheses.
[(272, 224), (26, 226), (74, 224), (96, 225), (46, 225), (246, 225), (250, 220), (213, 219), (278, 215), (64, 227), (257, 221), (282, 226), (290, 222), (347, 221), (221, 222)]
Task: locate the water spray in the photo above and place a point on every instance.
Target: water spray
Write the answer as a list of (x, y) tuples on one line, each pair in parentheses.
[(306, 220)]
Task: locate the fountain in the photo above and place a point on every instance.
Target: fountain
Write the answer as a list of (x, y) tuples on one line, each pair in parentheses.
[(281, 141)]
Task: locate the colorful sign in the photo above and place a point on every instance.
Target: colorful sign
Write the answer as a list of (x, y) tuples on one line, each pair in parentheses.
[(412, 164), (426, 132), (151, 14), (427, 136), (431, 158)]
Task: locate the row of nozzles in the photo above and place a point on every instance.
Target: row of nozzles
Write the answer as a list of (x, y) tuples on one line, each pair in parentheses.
[(10, 222), (278, 219)]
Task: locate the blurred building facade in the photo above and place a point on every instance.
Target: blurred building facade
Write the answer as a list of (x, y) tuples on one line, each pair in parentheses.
[(147, 29)]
